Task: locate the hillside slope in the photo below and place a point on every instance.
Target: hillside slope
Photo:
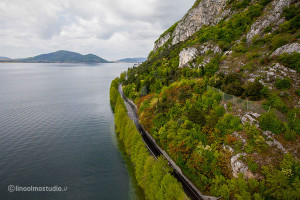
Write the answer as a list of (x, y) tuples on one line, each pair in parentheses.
[(220, 93), (4, 58), (63, 57), (132, 60)]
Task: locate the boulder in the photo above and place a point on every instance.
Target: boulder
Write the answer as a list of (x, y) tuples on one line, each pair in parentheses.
[(288, 48), (187, 55)]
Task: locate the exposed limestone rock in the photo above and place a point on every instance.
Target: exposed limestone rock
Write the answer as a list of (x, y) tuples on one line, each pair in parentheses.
[(239, 167), (239, 137), (273, 142), (204, 62), (272, 17), (161, 41), (187, 55), (203, 49), (289, 48), (228, 148), (278, 71), (208, 12), (226, 53), (250, 117), (274, 72)]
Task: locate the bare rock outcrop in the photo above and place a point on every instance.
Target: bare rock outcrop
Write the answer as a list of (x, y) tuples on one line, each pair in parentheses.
[(161, 41), (207, 12), (271, 141), (187, 55), (239, 167), (272, 17), (251, 118), (288, 48)]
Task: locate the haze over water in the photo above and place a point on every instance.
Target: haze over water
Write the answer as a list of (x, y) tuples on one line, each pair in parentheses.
[(56, 129)]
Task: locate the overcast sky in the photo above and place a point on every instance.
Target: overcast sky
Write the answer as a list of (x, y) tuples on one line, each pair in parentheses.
[(112, 29)]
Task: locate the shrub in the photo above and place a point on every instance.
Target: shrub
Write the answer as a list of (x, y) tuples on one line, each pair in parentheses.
[(298, 92), (278, 41), (257, 40), (252, 165), (232, 84), (249, 66), (294, 120), (228, 124), (276, 102), (234, 89), (268, 29), (253, 90), (241, 4), (290, 12), (231, 78), (290, 60), (289, 133), (220, 110), (264, 2), (269, 121), (283, 83), (295, 23), (264, 60)]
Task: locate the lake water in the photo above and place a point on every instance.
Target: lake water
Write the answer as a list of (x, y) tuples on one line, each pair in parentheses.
[(56, 129)]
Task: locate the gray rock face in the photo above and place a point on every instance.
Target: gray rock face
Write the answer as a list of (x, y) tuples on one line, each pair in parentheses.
[(251, 118), (203, 49), (273, 142), (272, 17), (208, 12), (239, 137), (187, 55), (239, 167), (161, 41), (289, 48)]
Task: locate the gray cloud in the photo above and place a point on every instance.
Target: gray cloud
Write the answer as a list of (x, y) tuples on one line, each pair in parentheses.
[(112, 29)]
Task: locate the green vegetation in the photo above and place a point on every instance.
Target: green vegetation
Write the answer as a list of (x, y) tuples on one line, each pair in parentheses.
[(292, 15), (281, 183), (278, 41), (283, 83), (193, 125), (151, 175), (269, 121), (290, 60)]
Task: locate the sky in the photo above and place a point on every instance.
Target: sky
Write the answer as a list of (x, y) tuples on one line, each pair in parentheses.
[(111, 29)]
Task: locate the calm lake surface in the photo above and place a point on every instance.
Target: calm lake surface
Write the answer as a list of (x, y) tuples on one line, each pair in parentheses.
[(57, 129)]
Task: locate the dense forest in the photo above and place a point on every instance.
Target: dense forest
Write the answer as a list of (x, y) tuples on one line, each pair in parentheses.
[(242, 147)]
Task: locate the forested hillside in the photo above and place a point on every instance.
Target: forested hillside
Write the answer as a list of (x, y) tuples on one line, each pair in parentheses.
[(154, 176), (220, 93)]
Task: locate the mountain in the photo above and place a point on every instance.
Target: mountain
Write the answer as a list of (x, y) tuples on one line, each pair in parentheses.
[(220, 93), (62, 57), (133, 60), (66, 57), (4, 58)]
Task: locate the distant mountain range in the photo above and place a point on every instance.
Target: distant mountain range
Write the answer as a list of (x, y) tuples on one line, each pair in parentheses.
[(4, 58), (62, 57), (133, 60)]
